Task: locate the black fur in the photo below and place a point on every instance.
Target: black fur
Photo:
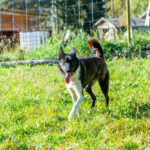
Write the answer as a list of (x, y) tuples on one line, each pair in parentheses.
[(92, 69)]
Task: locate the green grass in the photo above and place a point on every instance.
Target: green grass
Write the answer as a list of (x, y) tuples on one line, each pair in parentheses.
[(35, 104)]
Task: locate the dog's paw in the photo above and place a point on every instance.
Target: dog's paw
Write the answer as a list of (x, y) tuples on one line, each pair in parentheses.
[(69, 117), (90, 111)]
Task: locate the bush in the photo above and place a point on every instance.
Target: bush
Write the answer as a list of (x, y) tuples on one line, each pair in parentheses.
[(120, 47), (117, 48), (5, 45), (79, 40)]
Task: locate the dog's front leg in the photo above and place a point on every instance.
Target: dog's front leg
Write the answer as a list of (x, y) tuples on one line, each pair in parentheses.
[(74, 98), (73, 94), (79, 92)]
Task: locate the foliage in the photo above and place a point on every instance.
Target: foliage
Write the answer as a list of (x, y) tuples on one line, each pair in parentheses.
[(5, 45), (119, 8), (137, 8), (79, 40), (35, 104), (121, 48)]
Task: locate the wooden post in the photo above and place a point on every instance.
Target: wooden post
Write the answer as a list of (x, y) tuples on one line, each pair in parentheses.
[(147, 21), (112, 7), (128, 21)]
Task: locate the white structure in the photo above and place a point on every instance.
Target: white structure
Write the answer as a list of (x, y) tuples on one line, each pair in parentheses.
[(33, 40), (147, 22)]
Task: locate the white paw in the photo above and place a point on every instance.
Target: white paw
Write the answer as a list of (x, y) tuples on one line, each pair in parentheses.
[(90, 110), (69, 117)]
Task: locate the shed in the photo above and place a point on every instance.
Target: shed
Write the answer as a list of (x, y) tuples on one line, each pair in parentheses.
[(105, 27), (111, 26)]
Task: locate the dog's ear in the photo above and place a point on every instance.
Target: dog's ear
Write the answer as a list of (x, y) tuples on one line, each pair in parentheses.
[(61, 53), (73, 51)]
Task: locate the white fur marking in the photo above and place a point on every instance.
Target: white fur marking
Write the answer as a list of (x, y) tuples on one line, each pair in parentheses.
[(75, 89)]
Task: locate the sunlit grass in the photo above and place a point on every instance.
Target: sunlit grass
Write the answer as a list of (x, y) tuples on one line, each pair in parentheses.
[(35, 104)]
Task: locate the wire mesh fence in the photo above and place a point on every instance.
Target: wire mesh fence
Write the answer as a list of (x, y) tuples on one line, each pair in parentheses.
[(21, 18), (35, 20)]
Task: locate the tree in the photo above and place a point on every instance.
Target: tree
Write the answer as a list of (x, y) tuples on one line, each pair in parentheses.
[(81, 13), (119, 7), (137, 7)]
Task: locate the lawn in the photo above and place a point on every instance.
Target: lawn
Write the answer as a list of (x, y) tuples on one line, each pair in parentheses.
[(35, 104)]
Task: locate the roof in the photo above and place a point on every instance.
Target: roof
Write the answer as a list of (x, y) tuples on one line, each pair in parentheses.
[(113, 21), (143, 15), (19, 12), (137, 22), (117, 22)]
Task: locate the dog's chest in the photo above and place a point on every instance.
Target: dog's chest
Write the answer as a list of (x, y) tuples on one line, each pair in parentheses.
[(75, 80)]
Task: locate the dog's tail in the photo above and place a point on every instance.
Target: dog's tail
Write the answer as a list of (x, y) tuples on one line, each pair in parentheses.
[(95, 45)]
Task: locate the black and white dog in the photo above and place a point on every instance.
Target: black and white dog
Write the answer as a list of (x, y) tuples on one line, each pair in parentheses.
[(82, 73)]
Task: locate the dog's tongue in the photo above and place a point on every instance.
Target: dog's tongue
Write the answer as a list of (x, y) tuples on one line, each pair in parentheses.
[(67, 78)]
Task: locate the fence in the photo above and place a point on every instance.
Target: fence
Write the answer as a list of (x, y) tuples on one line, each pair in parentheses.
[(29, 17), (40, 15)]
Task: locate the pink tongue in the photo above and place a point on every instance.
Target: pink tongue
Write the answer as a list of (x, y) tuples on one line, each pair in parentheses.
[(67, 78)]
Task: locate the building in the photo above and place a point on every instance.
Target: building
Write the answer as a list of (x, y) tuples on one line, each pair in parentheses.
[(110, 27), (14, 21)]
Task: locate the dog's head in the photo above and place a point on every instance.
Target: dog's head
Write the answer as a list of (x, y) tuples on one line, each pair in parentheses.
[(68, 63)]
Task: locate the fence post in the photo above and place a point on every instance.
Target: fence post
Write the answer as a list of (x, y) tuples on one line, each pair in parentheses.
[(92, 14), (66, 12), (128, 21), (26, 15), (79, 12), (112, 7), (147, 22)]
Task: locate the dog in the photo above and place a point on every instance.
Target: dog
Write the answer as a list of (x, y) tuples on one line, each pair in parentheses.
[(81, 73)]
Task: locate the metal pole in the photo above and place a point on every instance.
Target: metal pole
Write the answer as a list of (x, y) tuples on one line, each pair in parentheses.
[(13, 18), (39, 14), (26, 16), (66, 12), (105, 9), (57, 19), (79, 12), (128, 21), (92, 14), (52, 12)]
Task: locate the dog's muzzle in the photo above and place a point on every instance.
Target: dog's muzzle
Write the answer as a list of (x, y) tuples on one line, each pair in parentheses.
[(67, 78)]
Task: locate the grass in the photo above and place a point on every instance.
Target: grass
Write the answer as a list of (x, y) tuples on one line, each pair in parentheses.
[(35, 104)]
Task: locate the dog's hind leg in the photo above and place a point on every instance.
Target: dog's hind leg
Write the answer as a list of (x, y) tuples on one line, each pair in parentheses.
[(104, 84), (89, 90)]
